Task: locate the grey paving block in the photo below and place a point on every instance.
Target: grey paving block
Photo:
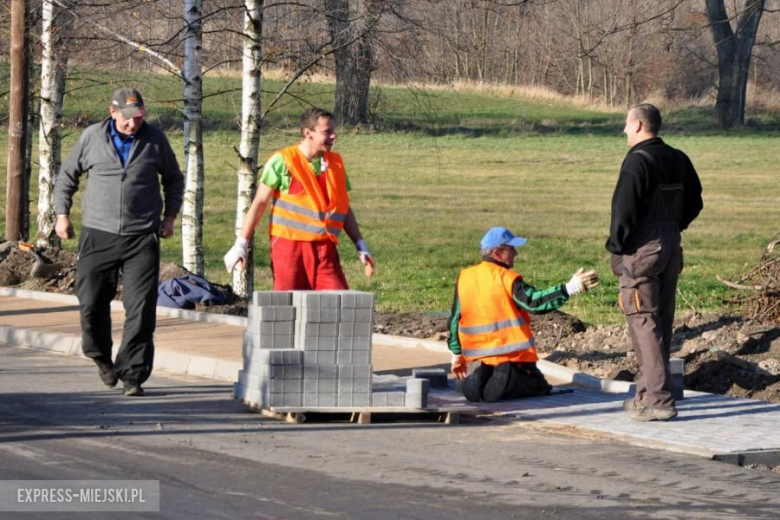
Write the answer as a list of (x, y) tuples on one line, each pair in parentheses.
[(346, 372), (319, 386), (319, 315), (353, 357), (319, 357), (285, 400), (357, 300), (275, 328), (362, 400), (320, 399), (387, 398), (314, 372), (268, 298), (436, 376), (354, 386), (292, 371), (417, 386), (418, 401), (286, 386), (357, 315), (275, 357), (320, 329), (271, 313), (356, 329), (323, 299), (317, 343), (354, 343)]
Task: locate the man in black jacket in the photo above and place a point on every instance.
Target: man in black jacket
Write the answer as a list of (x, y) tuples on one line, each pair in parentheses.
[(124, 215), (658, 195)]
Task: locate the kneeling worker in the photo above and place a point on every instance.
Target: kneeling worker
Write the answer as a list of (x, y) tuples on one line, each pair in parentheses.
[(490, 322)]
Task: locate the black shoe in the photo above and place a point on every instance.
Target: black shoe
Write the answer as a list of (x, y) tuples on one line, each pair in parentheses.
[(133, 389), (106, 373)]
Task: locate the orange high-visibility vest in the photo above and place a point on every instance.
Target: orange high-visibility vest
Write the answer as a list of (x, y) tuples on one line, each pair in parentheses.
[(492, 328), (310, 215)]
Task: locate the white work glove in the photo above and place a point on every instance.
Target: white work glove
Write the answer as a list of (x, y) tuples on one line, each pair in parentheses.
[(238, 253), (459, 366), (366, 258), (582, 281)]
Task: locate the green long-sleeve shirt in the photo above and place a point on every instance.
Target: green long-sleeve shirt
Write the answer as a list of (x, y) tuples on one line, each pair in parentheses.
[(525, 296)]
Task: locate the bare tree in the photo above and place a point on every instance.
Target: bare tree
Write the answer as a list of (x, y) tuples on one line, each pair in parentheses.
[(53, 64), (735, 48), (243, 279), (192, 209)]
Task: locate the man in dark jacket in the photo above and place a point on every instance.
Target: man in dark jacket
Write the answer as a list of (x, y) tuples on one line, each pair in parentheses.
[(658, 195), (127, 160)]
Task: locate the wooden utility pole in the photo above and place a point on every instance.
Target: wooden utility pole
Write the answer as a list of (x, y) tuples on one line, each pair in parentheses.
[(17, 125)]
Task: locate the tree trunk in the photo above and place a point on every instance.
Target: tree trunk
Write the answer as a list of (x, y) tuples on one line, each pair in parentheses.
[(17, 125), (243, 280), (53, 65), (192, 210), (734, 50), (354, 60)]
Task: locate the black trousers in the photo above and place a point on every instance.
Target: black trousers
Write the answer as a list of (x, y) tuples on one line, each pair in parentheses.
[(101, 256), (505, 381)]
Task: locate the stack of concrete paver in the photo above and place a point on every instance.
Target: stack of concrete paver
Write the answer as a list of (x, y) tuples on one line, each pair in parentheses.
[(312, 349)]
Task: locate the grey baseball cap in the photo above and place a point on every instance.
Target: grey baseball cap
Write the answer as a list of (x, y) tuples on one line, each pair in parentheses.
[(129, 101)]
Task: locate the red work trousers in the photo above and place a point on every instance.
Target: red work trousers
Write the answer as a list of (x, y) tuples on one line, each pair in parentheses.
[(306, 266)]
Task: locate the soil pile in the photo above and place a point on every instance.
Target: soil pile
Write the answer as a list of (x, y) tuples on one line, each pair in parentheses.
[(724, 354)]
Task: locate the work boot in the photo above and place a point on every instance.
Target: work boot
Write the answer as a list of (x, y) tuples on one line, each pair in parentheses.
[(644, 413), (133, 389), (630, 404), (106, 373)]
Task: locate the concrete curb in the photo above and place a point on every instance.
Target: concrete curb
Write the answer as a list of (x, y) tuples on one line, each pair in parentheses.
[(167, 360), (228, 370), (116, 305)]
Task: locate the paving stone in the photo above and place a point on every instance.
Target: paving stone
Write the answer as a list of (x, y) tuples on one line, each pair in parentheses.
[(323, 299), (317, 343), (357, 315), (354, 386), (354, 343), (320, 386), (346, 372), (320, 329), (361, 400), (319, 357), (286, 386), (357, 300), (319, 315), (436, 376), (353, 357), (360, 329), (319, 399), (275, 328), (274, 357), (268, 298), (271, 313), (313, 372)]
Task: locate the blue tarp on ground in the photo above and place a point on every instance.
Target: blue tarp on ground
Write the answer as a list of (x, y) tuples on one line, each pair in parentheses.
[(188, 291)]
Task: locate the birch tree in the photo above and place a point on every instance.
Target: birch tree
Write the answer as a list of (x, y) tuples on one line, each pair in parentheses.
[(192, 209), (251, 118), (53, 63)]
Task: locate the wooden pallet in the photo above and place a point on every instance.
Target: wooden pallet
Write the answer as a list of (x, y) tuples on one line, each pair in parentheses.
[(447, 414)]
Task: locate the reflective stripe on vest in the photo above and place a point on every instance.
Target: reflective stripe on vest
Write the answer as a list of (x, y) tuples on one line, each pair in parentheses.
[(499, 351), (313, 214), (492, 328)]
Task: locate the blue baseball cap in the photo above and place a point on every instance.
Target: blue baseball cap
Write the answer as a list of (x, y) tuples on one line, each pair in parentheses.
[(500, 236)]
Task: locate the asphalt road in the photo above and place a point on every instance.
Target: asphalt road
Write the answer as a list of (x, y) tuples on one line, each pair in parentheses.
[(215, 459)]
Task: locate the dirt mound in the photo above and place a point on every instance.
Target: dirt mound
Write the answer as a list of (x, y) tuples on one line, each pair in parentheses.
[(723, 354)]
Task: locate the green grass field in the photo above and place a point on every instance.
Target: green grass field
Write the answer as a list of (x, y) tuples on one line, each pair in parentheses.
[(448, 165)]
